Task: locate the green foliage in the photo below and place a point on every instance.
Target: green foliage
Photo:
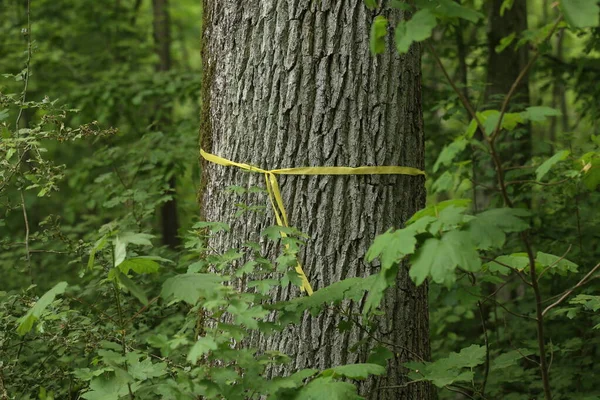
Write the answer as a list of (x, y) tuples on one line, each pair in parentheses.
[(581, 13), (26, 322), (81, 202)]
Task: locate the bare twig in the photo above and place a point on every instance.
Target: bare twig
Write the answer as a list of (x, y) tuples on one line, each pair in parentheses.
[(554, 263), (565, 295)]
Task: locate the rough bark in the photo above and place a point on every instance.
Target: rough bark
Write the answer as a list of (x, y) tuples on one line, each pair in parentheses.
[(162, 43), (292, 83)]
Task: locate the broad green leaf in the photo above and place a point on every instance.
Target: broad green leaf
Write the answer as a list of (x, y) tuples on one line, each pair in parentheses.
[(452, 9), (146, 369), (354, 371), (448, 370), (591, 173), (543, 169), (439, 258), (139, 265), (539, 113), (581, 13), (371, 4), (449, 153), (190, 287), (120, 249), (468, 357), (505, 42), (99, 245), (200, 348), (509, 359), (489, 119), (351, 289), (434, 210), (417, 29), (488, 229), (289, 382), (378, 34), (391, 247), (106, 388), (518, 261), (589, 302), (560, 265), (327, 389), (379, 355), (506, 5), (133, 288), (26, 322), (213, 227)]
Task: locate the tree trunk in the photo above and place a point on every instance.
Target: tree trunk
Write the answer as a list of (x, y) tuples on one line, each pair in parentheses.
[(502, 71), (504, 67), (162, 43), (292, 83)]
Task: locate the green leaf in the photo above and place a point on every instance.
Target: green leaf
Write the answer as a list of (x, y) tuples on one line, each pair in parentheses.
[(371, 4), (391, 247), (505, 42), (146, 369), (581, 13), (434, 210), (351, 288), (560, 265), (120, 249), (26, 322), (201, 347), (106, 388), (213, 227), (378, 34), (518, 261), (543, 169), (589, 302), (99, 245), (379, 355), (539, 113), (468, 357), (139, 265), (452, 9), (448, 370), (133, 288), (417, 29), (506, 5), (354, 371), (190, 287), (449, 153), (289, 382), (488, 229), (439, 258), (327, 389), (509, 359)]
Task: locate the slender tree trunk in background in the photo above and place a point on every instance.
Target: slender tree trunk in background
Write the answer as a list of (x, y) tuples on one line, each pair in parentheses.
[(292, 83), (503, 70), (162, 42), (559, 98)]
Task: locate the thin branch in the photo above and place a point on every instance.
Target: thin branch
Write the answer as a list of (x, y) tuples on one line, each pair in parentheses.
[(534, 182), (141, 310), (562, 298), (555, 262)]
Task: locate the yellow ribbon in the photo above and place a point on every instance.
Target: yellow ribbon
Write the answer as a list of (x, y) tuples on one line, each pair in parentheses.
[(275, 193)]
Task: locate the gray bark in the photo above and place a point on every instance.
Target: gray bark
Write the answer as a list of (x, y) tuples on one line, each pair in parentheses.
[(292, 83)]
